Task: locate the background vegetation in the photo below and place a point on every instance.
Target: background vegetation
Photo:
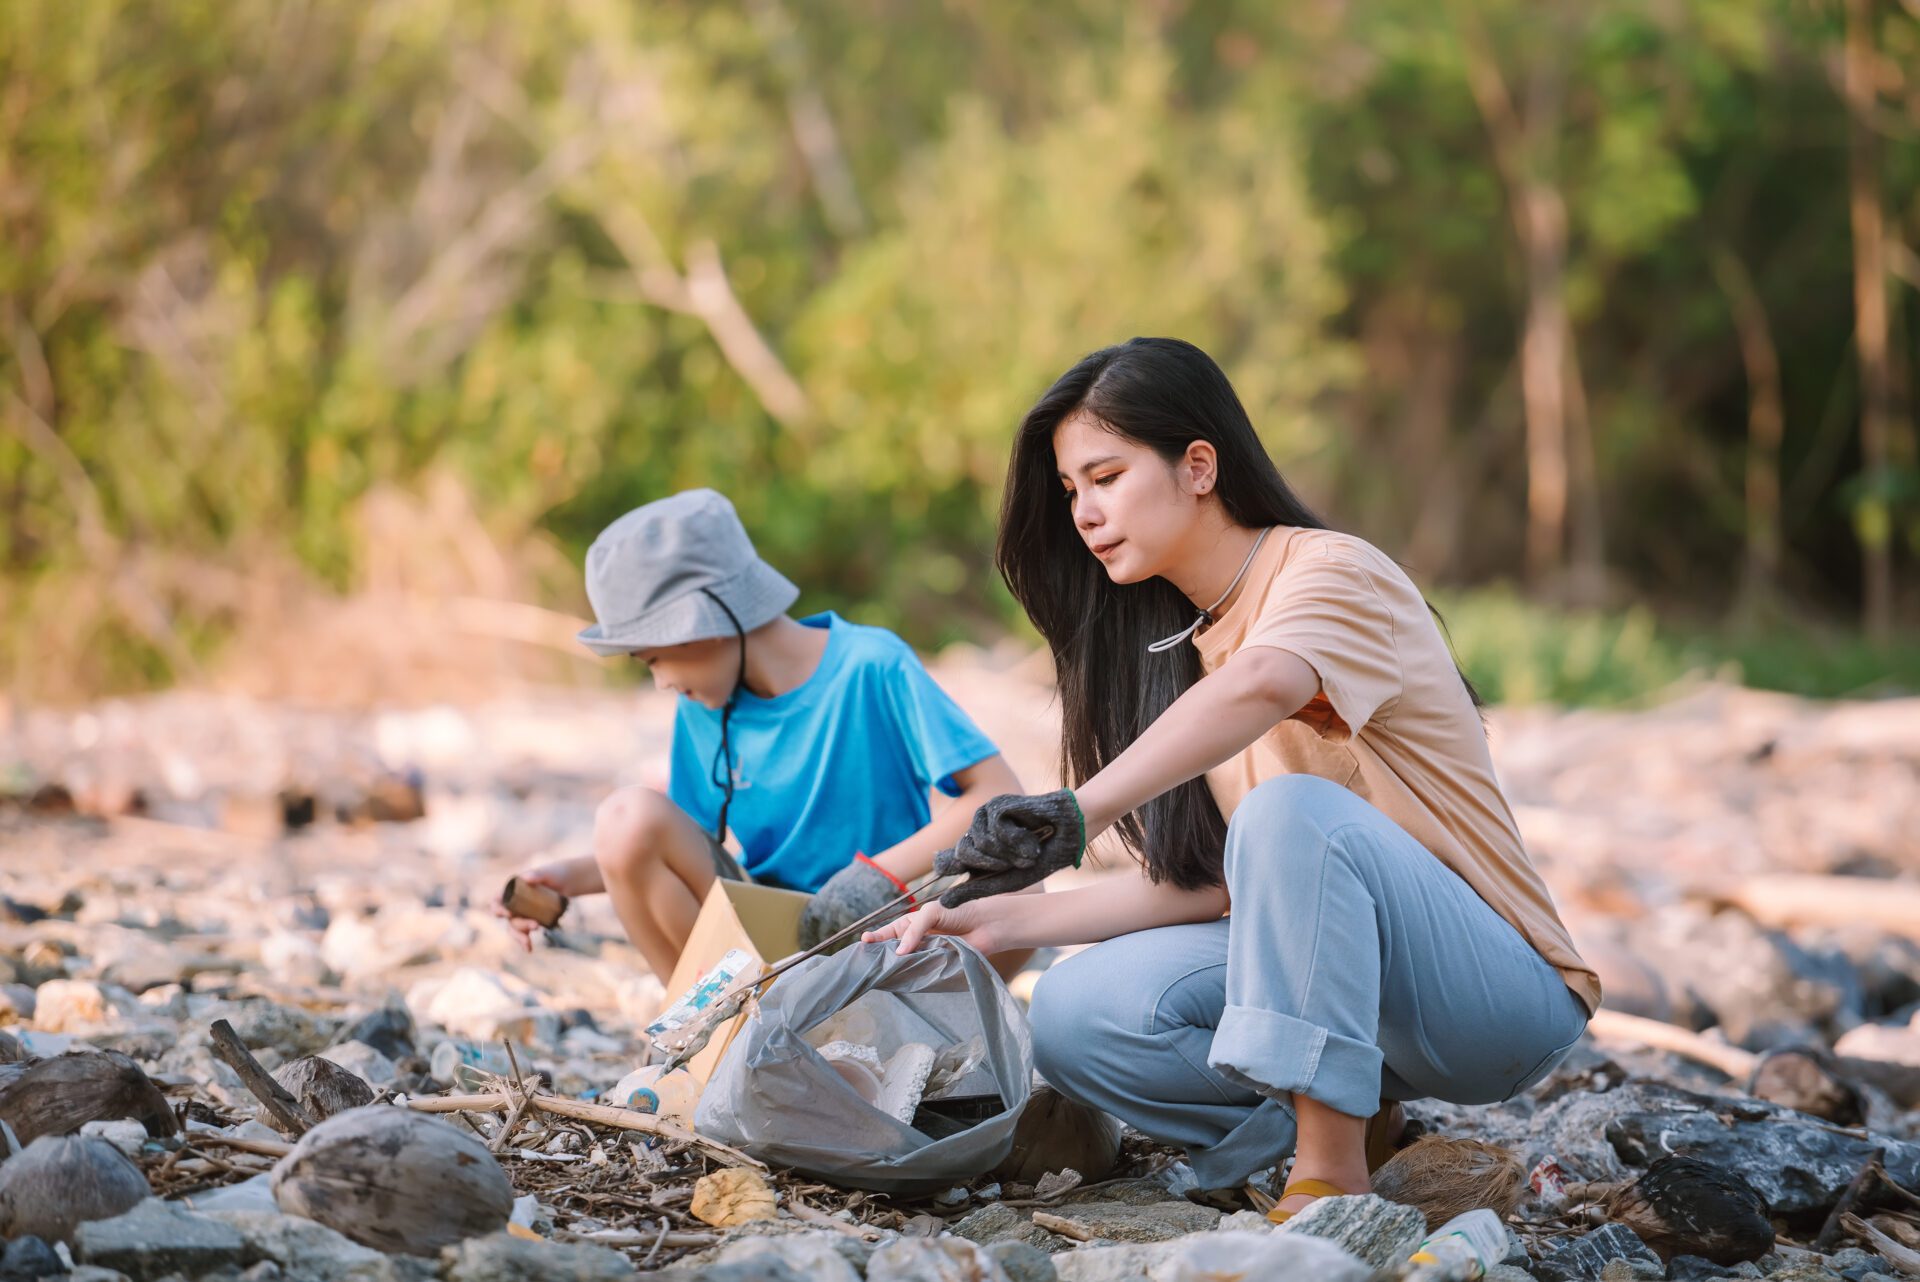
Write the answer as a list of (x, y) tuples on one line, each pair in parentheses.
[(1600, 316)]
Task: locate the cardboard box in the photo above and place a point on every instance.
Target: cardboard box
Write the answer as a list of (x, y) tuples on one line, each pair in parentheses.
[(761, 920)]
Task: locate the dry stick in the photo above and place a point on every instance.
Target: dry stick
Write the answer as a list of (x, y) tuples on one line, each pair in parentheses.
[(265, 1148), (1861, 1185), (231, 1051), (514, 1116), (1904, 1257), (813, 1215), (605, 1114), (1617, 1026), (1061, 1225)]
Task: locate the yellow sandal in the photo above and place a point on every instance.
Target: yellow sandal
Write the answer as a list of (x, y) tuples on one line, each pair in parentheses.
[(1315, 1189)]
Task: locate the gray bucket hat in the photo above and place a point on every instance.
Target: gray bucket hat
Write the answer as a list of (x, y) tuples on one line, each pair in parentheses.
[(646, 572)]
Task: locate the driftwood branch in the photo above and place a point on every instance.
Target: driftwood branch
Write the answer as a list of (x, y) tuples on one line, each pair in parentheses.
[(1905, 1258), (1616, 1026), (603, 1114), (1788, 899), (231, 1051)]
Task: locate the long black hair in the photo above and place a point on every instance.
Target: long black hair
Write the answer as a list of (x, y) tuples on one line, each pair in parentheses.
[(1164, 394)]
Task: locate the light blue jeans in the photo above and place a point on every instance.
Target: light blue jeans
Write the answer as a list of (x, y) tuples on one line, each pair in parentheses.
[(1355, 968)]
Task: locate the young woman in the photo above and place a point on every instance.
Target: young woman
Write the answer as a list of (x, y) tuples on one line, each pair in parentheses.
[(1267, 713)]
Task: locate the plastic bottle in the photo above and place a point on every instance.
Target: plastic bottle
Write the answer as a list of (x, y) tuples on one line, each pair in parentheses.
[(652, 1089), (1462, 1249), (470, 1066)]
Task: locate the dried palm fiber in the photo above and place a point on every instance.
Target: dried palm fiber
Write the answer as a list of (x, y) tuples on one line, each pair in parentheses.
[(59, 1095), (1443, 1177), (62, 1181), (322, 1087), (394, 1180), (1683, 1206)]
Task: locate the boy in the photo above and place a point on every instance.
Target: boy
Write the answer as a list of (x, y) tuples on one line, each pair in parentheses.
[(816, 742)]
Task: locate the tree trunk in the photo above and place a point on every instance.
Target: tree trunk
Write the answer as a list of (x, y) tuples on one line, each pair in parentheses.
[(1873, 518), (1766, 424), (1524, 148)]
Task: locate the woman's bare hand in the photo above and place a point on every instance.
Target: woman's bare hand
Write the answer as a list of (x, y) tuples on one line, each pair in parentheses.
[(972, 922)]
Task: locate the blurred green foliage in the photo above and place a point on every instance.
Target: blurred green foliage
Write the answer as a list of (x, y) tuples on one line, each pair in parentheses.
[(260, 262)]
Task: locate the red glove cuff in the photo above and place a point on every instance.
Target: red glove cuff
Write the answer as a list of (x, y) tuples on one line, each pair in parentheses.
[(899, 885)]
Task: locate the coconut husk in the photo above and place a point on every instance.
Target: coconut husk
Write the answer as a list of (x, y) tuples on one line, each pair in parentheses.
[(1442, 1177), (394, 1180), (323, 1087), (1055, 1133), (60, 1182), (11, 1051), (1804, 1079), (1683, 1206), (60, 1094)]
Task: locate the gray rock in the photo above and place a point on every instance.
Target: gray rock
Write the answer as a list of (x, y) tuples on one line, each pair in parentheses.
[(30, 1257), (1263, 1255), (94, 1273), (1142, 1192), (1588, 1256), (501, 1257), (1111, 1263), (1023, 1262), (1852, 1262), (1692, 1268), (1508, 1273), (808, 1256), (308, 1251), (941, 1259), (156, 1238), (261, 1023), (999, 1222), (1155, 1222), (1380, 1232), (1762, 989), (1797, 1163), (1806, 1271), (1245, 1222)]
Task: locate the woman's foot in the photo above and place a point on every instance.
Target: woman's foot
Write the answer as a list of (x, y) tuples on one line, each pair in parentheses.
[(1307, 1187)]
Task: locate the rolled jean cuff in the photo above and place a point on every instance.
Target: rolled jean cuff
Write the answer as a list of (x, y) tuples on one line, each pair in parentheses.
[(1277, 1055)]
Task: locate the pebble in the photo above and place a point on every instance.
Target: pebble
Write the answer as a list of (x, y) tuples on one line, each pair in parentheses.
[(501, 1257), (942, 1259)]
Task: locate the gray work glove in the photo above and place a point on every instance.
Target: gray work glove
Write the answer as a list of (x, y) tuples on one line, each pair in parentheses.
[(850, 894), (1013, 842)]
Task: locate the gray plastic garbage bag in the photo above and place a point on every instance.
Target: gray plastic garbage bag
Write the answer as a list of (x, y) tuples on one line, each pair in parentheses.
[(774, 1096)]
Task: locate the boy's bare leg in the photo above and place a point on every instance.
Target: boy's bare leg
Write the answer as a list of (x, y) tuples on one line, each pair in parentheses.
[(657, 866)]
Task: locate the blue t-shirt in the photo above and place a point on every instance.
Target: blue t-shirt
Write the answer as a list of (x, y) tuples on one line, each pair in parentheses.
[(842, 763)]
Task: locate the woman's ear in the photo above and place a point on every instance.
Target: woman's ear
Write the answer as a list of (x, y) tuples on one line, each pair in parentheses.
[(1200, 468)]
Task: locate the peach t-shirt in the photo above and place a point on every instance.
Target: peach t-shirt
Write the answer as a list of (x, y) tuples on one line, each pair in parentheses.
[(1392, 720)]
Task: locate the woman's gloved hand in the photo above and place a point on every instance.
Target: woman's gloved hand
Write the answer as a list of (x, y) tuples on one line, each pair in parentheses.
[(850, 894), (1013, 842)]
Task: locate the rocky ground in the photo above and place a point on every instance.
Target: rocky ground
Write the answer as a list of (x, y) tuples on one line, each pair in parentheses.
[(320, 881)]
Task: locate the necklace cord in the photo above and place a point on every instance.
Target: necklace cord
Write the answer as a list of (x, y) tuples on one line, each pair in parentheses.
[(1206, 615)]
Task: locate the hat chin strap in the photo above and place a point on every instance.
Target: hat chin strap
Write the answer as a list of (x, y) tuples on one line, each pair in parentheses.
[(722, 770)]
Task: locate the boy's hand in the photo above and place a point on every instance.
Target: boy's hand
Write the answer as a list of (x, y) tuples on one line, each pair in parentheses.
[(553, 876), (850, 894), (1014, 842)]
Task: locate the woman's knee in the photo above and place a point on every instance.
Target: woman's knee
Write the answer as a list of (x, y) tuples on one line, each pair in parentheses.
[(1285, 820), (629, 829), (1066, 1013)]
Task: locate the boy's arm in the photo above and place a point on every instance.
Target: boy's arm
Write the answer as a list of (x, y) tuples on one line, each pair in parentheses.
[(912, 859)]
